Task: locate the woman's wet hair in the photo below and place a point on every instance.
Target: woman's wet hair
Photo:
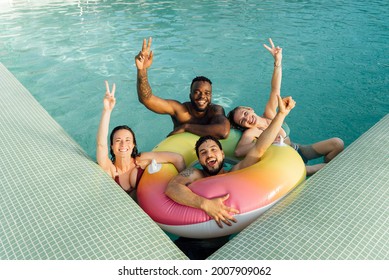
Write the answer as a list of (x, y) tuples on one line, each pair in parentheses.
[(202, 139), (134, 152), (230, 117)]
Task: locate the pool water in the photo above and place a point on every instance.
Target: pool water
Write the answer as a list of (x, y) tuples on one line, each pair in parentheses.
[(335, 60)]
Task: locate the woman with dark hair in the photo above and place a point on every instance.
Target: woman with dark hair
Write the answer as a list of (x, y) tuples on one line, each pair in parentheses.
[(126, 164), (247, 120)]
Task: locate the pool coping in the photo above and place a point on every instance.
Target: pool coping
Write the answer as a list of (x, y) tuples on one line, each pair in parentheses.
[(57, 203)]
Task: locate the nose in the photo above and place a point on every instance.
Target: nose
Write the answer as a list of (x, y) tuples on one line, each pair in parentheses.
[(201, 95)]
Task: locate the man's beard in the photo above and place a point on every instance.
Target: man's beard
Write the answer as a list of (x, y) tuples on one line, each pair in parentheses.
[(214, 171)]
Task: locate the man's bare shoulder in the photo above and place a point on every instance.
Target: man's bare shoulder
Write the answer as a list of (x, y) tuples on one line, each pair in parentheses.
[(189, 176), (217, 109)]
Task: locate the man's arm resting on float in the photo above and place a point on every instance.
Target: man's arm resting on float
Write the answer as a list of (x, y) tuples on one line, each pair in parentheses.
[(219, 126), (178, 191)]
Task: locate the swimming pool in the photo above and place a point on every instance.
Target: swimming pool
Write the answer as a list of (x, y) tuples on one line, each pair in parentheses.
[(336, 63)]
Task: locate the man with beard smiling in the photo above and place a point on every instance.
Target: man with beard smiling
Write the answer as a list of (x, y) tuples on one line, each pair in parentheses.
[(211, 157), (199, 116)]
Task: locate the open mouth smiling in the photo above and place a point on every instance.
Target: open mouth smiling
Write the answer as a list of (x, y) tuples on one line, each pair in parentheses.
[(211, 162)]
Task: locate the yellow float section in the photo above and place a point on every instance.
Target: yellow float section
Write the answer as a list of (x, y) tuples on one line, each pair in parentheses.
[(184, 144)]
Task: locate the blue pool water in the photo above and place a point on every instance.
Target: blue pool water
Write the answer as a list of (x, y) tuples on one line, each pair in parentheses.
[(336, 59)]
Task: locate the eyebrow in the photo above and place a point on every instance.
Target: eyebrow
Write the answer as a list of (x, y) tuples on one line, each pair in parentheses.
[(126, 138), (212, 146), (198, 90)]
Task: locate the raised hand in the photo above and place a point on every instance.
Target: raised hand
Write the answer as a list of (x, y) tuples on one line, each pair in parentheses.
[(276, 52), (109, 98), (286, 104), (144, 59)]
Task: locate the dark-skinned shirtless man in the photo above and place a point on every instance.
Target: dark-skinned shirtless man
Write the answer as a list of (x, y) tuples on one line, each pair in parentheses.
[(198, 116)]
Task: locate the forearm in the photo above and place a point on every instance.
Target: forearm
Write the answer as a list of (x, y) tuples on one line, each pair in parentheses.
[(169, 157), (277, 77), (269, 134), (242, 149), (183, 195), (220, 131), (271, 106), (143, 86), (101, 141), (102, 132)]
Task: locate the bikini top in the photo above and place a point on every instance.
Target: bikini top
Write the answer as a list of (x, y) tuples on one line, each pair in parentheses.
[(138, 176), (286, 128)]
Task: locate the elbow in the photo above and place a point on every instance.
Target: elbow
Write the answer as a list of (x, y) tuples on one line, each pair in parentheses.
[(168, 191), (141, 100), (180, 163), (238, 153), (260, 153), (177, 160), (224, 132)]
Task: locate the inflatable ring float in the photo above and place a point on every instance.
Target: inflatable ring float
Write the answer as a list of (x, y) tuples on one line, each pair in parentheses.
[(252, 190)]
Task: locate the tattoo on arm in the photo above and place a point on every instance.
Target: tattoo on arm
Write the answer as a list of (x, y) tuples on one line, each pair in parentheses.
[(144, 89), (187, 172)]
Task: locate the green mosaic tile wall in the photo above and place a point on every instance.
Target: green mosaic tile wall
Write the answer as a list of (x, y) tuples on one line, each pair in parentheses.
[(55, 202), (339, 213)]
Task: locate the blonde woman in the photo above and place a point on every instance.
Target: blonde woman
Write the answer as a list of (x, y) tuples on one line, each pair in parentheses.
[(253, 125)]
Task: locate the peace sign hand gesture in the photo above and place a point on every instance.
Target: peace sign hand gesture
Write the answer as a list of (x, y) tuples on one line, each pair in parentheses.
[(144, 59), (276, 52), (109, 98)]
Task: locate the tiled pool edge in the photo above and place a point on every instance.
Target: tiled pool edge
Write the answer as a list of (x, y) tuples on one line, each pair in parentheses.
[(339, 213), (55, 202), (72, 210)]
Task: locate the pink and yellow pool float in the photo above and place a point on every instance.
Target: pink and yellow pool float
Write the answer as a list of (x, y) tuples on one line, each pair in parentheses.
[(252, 190)]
